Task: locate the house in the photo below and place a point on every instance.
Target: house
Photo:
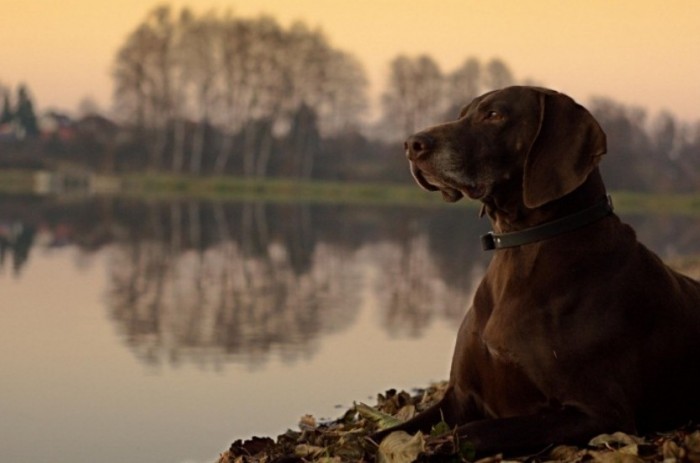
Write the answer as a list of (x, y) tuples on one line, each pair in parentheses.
[(11, 132), (56, 126)]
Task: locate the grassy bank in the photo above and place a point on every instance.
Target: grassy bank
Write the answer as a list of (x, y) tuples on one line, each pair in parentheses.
[(16, 181), (165, 186), (277, 190)]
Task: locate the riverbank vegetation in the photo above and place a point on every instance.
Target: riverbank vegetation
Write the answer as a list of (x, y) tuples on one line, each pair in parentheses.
[(228, 188)]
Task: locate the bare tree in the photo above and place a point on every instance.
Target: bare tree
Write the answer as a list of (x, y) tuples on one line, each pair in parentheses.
[(415, 95), (235, 37), (498, 75), (430, 97), (628, 144), (131, 77), (200, 67), (345, 98), (665, 132), (247, 78), (464, 84), (265, 86), (145, 78)]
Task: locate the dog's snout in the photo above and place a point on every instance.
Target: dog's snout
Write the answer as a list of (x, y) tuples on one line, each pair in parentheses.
[(418, 146)]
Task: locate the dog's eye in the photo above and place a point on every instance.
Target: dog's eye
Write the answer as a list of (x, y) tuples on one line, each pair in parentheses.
[(493, 116)]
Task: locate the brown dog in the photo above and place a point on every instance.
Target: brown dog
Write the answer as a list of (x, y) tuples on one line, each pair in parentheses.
[(576, 329)]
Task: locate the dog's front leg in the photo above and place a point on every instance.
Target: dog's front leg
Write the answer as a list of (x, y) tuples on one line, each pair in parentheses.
[(532, 433), (449, 410)]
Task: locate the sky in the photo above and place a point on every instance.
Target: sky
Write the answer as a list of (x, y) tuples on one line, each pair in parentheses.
[(637, 52)]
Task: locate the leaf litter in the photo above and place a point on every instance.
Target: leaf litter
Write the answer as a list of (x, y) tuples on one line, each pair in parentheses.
[(348, 439)]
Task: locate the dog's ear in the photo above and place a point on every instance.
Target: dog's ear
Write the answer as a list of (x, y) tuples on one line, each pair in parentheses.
[(567, 147)]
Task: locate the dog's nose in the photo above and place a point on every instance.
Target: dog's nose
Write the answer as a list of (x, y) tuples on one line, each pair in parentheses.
[(418, 146)]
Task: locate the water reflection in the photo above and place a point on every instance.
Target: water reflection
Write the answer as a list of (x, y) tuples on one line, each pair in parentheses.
[(15, 241), (214, 282), (204, 282)]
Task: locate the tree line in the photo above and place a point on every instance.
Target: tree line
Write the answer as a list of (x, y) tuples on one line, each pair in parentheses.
[(214, 93), (249, 80), (223, 94), (19, 112), (419, 93)]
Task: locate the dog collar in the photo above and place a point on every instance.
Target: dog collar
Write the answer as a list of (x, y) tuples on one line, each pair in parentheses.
[(491, 240)]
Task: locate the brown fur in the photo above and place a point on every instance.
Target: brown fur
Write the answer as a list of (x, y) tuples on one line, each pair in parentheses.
[(584, 333)]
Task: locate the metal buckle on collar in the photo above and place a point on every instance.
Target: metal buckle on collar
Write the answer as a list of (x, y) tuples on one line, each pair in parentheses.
[(488, 242)]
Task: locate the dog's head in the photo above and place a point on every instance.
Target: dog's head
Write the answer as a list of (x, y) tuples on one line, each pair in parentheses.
[(539, 140)]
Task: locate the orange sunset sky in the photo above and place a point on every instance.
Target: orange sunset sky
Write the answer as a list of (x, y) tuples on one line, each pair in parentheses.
[(638, 52)]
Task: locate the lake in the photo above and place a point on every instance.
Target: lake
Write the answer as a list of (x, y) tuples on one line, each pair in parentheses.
[(162, 330)]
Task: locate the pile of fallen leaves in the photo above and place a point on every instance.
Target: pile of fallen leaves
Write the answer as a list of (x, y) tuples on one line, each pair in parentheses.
[(348, 439)]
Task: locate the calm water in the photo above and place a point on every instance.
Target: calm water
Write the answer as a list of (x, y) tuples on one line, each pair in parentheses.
[(162, 331)]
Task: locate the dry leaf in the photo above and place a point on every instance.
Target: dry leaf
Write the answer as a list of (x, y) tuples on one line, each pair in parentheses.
[(492, 459), (329, 460), (616, 439), (671, 451), (400, 447), (406, 413), (692, 443), (307, 422), (382, 420), (564, 452), (615, 457), (306, 450)]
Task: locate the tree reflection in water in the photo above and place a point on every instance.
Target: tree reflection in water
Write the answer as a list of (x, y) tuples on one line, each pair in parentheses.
[(216, 282)]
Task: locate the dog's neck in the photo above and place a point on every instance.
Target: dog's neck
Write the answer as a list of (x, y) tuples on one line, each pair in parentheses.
[(509, 213)]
